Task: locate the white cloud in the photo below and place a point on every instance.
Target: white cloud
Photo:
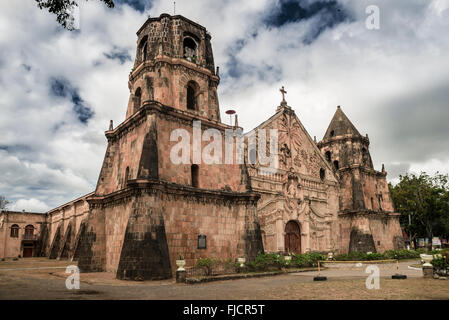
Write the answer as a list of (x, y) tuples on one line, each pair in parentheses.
[(29, 205)]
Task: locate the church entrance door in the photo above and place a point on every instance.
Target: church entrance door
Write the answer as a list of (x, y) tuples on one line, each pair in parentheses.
[(292, 237)]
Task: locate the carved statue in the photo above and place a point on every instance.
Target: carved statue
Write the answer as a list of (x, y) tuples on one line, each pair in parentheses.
[(293, 194)]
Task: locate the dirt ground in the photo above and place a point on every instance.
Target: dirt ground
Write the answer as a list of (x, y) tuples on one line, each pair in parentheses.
[(41, 278)]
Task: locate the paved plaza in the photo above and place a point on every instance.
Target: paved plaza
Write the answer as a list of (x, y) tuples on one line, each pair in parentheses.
[(40, 278)]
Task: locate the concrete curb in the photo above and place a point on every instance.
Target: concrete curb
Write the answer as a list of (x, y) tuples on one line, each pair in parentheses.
[(245, 276)]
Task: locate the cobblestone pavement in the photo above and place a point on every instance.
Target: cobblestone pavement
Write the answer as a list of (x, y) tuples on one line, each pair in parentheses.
[(41, 278)]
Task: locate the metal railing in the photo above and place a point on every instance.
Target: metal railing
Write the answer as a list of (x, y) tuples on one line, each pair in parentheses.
[(33, 237)]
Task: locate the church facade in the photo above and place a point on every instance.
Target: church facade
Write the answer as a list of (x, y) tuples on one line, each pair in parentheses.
[(148, 209)]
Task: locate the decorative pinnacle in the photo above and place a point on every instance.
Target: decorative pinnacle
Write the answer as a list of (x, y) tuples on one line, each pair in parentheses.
[(111, 125)]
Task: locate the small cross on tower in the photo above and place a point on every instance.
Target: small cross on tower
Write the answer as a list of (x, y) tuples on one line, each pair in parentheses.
[(282, 90)]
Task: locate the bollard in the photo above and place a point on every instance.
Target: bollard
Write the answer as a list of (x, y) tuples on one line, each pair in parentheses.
[(398, 275), (318, 277)]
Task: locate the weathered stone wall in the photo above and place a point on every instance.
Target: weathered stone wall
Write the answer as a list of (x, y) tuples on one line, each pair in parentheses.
[(376, 193), (67, 218), (148, 226), (126, 153), (362, 231)]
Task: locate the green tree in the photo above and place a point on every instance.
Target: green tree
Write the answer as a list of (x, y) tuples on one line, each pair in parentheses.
[(61, 8), (3, 203), (423, 202)]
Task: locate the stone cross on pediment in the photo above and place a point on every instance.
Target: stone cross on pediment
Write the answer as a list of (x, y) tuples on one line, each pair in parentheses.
[(282, 90)]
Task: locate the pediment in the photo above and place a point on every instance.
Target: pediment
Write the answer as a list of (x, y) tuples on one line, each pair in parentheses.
[(296, 149)]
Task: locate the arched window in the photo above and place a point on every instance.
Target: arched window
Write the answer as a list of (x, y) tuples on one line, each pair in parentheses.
[(372, 204), (144, 51), (328, 156), (150, 87), (137, 99), (380, 202), (332, 133), (143, 48), (29, 230), (336, 165), (192, 92), (126, 175), (14, 231), (322, 174), (194, 173), (189, 47)]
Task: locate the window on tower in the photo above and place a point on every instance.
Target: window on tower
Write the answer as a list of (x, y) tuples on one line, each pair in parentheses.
[(328, 156), (336, 165), (195, 174), (192, 89), (143, 48), (137, 99), (190, 49), (380, 202), (126, 175)]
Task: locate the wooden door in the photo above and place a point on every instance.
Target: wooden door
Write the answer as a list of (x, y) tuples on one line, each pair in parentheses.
[(27, 252), (292, 237)]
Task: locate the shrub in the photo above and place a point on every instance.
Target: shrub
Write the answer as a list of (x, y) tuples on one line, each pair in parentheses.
[(307, 259), (375, 256), (207, 264), (387, 255), (266, 261), (402, 254), (440, 264)]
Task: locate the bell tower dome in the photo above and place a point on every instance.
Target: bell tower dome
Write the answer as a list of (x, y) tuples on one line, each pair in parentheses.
[(174, 66)]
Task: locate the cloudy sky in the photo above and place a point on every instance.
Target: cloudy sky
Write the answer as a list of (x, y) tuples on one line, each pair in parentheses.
[(59, 89)]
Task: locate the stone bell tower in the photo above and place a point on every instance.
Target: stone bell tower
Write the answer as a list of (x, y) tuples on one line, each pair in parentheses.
[(367, 218), (346, 150), (151, 205), (174, 66)]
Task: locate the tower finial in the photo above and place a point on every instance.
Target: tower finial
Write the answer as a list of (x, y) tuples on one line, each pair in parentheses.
[(174, 7)]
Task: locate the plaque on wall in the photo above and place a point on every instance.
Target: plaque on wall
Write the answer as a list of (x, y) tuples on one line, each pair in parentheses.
[(201, 241)]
